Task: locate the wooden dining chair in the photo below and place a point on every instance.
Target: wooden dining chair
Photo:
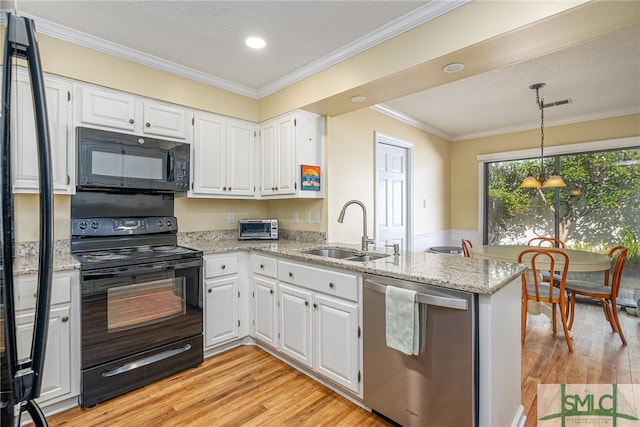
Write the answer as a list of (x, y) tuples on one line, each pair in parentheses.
[(535, 289), (605, 293), (547, 242), (466, 247)]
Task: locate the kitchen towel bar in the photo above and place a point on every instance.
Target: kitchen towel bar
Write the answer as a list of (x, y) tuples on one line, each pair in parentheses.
[(435, 300)]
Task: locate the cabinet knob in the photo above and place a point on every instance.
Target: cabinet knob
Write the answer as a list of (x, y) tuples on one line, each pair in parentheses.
[(224, 188), (331, 285), (276, 188), (210, 290), (261, 265), (306, 303), (229, 188), (65, 319), (290, 274), (223, 266), (315, 305), (270, 291), (148, 125), (35, 295), (131, 121)]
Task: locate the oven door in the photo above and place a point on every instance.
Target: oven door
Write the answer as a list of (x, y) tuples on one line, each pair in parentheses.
[(127, 311)]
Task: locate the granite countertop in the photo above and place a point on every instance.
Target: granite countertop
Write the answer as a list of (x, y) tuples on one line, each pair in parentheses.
[(480, 276)]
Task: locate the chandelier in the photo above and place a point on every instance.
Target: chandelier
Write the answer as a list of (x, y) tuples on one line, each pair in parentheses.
[(555, 180)]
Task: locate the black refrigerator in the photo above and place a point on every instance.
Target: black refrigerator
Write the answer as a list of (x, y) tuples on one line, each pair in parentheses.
[(21, 378)]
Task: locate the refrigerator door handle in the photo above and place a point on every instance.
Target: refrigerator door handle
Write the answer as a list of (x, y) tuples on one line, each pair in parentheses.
[(26, 376)]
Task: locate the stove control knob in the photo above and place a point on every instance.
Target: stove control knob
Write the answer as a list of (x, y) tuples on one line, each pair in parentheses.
[(95, 225), (83, 225), (169, 223), (161, 223)]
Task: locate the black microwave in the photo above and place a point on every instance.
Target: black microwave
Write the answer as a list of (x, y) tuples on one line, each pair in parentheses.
[(114, 161)]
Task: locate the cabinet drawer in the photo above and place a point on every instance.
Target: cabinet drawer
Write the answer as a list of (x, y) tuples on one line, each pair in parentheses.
[(220, 266), (264, 265), (27, 285), (341, 285)]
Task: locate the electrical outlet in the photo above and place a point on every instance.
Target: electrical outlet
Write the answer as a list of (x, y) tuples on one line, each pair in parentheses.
[(307, 217), (296, 217), (316, 217), (231, 217)]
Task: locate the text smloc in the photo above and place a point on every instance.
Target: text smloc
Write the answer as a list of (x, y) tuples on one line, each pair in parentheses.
[(586, 404)]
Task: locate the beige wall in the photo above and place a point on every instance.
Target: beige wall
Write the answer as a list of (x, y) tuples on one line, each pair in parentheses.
[(464, 166), (351, 175)]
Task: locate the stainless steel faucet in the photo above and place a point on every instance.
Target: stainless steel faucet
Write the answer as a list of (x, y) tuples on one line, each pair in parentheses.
[(365, 239)]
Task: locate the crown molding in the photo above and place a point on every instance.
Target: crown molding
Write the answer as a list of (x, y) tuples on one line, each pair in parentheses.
[(419, 16), (410, 121), (423, 14)]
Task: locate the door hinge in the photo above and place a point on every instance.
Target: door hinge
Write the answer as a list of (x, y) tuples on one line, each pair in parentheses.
[(295, 185), (68, 95), (193, 121), (295, 123), (192, 186), (238, 294), (278, 335), (238, 323), (253, 294), (359, 332), (278, 303), (68, 180), (359, 376), (255, 133), (254, 322)]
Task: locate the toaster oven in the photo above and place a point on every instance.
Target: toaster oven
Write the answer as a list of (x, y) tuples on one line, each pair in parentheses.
[(258, 229)]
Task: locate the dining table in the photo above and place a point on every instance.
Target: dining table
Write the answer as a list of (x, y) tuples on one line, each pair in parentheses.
[(579, 261)]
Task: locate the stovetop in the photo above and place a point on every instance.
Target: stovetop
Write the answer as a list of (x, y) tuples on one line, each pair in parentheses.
[(134, 255)]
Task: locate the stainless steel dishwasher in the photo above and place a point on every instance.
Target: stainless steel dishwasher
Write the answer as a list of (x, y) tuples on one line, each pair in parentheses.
[(439, 386)]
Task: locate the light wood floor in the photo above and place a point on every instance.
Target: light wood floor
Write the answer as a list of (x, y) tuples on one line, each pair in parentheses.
[(248, 387)]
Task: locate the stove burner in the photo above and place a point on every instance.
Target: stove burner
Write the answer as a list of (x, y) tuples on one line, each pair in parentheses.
[(166, 248)]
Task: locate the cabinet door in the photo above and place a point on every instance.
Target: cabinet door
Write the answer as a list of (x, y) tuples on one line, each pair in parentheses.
[(221, 310), (265, 310), (240, 157), (286, 153), (336, 341), (56, 379), (107, 108), (209, 154), (162, 119), (268, 159), (295, 323), (25, 153)]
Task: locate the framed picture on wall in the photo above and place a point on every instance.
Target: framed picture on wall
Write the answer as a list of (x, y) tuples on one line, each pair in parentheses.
[(310, 178)]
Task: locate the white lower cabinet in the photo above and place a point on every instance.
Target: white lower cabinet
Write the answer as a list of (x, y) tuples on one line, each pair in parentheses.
[(337, 346), (264, 315), (223, 283), (319, 321), (295, 323), (61, 372)]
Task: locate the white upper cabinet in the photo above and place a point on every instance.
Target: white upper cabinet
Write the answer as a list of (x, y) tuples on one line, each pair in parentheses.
[(286, 144), (25, 153), (223, 156), (121, 111)]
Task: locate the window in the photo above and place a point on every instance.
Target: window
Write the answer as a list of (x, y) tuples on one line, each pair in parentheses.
[(599, 208)]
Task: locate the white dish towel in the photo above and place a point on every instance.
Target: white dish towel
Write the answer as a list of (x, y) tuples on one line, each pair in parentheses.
[(402, 320)]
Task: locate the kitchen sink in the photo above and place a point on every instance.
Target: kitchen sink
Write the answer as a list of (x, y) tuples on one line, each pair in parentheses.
[(344, 254)]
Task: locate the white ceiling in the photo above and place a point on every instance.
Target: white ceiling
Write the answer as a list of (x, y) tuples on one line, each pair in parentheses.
[(204, 40)]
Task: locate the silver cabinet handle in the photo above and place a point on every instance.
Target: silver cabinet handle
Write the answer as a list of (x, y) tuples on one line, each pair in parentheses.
[(436, 300)]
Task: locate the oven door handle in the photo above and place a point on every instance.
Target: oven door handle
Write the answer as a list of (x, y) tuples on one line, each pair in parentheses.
[(141, 269)]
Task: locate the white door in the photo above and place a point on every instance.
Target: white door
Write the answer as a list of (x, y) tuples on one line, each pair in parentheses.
[(221, 310), (240, 157), (265, 314), (392, 193), (295, 323)]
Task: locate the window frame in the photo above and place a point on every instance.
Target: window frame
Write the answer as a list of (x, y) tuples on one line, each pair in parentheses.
[(553, 151)]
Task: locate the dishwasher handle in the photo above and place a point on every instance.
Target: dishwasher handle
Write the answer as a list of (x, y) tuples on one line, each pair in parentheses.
[(435, 300)]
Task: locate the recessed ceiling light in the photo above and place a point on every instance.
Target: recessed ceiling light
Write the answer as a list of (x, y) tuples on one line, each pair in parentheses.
[(453, 67), (255, 42), (358, 98)]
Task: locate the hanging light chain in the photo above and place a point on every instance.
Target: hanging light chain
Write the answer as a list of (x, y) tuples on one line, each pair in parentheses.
[(540, 103)]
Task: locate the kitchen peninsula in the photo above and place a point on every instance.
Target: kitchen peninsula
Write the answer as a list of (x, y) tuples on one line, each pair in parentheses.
[(495, 283)]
